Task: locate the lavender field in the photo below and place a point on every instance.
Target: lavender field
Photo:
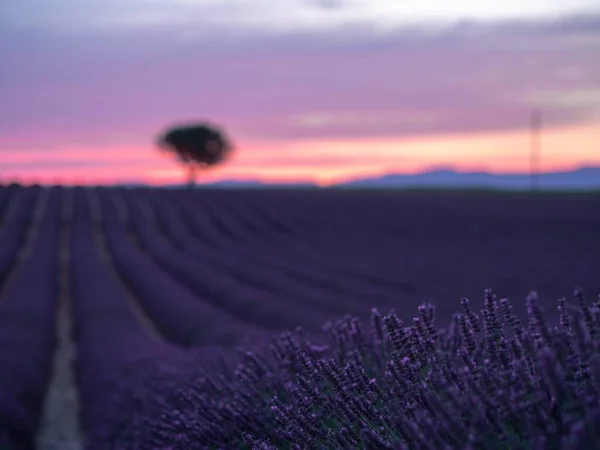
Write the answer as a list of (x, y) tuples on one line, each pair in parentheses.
[(298, 319)]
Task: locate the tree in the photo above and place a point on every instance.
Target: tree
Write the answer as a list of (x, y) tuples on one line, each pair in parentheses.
[(197, 146)]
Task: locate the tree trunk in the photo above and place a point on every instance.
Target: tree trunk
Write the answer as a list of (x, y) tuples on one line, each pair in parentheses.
[(191, 175)]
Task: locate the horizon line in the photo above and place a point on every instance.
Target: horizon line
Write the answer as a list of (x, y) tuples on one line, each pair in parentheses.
[(96, 181)]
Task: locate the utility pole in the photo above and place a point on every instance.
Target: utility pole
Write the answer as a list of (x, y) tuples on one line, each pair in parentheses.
[(535, 150)]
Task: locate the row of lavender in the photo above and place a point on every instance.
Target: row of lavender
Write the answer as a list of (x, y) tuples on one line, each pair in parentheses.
[(16, 208), (100, 309), (27, 305), (137, 371), (289, 225), (125, 374), (114, 352), (422, 241), (116, 355), (395, 386), (487, 382), (218, 263)]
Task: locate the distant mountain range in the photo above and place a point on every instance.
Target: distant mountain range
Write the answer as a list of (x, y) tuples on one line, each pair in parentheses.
[(587, 178), (584, 178)]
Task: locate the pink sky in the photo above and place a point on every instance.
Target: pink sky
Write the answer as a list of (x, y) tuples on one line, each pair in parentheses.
[(326, 103), (322, 161)]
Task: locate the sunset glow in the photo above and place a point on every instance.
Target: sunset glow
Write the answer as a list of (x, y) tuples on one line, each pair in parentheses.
[(328, 94), (321, 161)]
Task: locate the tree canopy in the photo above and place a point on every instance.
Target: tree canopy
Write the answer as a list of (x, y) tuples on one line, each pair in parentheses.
[(197, 146)]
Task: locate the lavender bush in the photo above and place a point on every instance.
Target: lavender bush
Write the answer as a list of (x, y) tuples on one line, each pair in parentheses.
[(27, 326), (487, 382)]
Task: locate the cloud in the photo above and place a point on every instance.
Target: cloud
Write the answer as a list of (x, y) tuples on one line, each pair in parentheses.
[(77, 16), (578, 98), (344, 81)]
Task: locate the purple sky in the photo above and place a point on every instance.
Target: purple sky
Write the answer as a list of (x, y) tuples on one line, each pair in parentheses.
[(111, 73)]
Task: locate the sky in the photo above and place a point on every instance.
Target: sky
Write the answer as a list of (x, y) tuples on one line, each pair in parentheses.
[(307, 90)]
